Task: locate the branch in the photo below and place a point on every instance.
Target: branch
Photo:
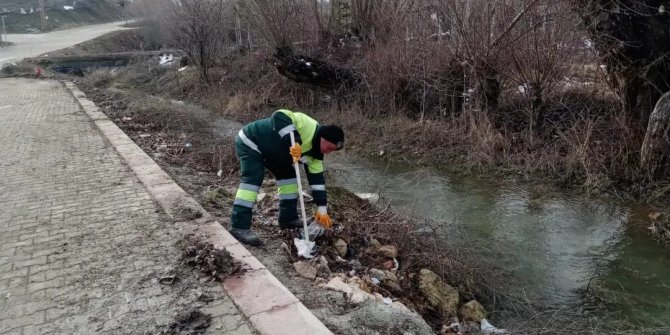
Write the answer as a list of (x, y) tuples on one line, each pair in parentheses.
[(516, 20)]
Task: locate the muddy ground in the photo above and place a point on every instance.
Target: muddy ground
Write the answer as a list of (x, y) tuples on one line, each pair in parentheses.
[(196, 149), (179, 153)]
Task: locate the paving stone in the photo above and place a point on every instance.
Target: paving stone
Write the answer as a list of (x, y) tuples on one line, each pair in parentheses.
[(82, 243)]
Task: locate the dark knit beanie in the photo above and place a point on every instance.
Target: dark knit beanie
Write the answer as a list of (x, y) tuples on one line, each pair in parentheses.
[(333, 134)]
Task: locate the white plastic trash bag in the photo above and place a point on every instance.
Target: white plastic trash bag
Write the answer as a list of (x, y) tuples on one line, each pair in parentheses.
[(304, 247)]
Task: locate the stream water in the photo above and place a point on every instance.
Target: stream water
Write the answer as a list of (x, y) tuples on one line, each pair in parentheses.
[(554, 244)]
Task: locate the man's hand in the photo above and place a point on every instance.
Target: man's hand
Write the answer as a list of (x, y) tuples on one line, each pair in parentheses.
[(296, 152), (322, 217)]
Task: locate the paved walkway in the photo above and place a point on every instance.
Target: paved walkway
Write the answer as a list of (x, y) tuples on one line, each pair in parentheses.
[(82, 245), (32, 45)]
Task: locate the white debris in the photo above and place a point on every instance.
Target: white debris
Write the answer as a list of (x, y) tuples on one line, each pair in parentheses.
[(375, 280), (308, 64), (523, 89), (488, 328), (387, 300), (588, 43), (396, 265), (336, 284), (182, 69), (351, 289), (661, 9), (68, 8), (372, 198), (304, 247), (220, 173), (166, 60), (23, 11)]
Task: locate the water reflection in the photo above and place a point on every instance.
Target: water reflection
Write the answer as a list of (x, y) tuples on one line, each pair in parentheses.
[(554, 243)]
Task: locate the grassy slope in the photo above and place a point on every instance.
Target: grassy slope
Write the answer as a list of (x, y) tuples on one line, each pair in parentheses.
[(116, 41)]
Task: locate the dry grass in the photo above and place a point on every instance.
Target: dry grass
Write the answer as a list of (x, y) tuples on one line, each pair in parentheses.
[(443, 139), (580, 142)]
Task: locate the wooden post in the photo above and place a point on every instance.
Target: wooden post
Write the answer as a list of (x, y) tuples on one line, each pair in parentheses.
[(3, 29), (43, 16)]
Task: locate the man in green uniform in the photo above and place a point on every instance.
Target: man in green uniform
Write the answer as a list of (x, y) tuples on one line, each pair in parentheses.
[(266, 143)]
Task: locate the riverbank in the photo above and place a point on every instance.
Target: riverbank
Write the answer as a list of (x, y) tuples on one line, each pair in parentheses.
[(179, 139), (194, 157), (194, 145)]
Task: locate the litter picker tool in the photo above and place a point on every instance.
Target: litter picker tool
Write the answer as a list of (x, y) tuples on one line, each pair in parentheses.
[(304, 246)]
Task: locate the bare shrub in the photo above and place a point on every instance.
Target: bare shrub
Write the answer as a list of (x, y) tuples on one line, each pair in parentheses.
[(377, 22), (100, 78), (285, 22), (542, 61), (199, 28)]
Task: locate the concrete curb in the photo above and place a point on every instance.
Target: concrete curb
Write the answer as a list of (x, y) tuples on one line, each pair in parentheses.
[(270, 306)]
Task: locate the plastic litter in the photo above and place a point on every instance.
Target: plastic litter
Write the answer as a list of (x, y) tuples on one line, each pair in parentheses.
[(396, 265), (375, 281), (314, 230), (304, 247), (454, 326), (166, 60), (488, 328)]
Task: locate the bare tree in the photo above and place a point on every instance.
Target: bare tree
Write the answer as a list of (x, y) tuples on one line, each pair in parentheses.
[(655, 155), (478, 33), (632, 39), (199, 29), (285, 22), (540, 59), (378, 21)]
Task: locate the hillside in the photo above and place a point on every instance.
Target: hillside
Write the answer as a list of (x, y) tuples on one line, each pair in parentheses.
[(24, 16)]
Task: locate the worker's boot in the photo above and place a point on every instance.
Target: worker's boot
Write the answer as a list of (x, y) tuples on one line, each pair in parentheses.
[(246, 236), (294, 224), (288, 214)]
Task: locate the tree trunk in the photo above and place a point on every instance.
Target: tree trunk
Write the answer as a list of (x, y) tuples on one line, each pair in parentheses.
[(656, 145), (304, 69), (489, 87), (633, 40)]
